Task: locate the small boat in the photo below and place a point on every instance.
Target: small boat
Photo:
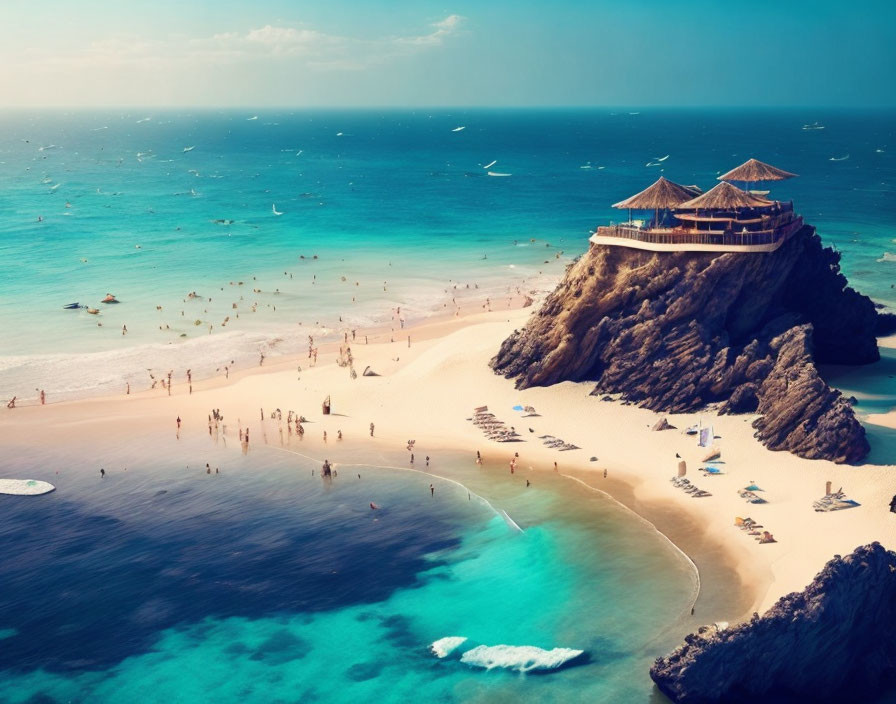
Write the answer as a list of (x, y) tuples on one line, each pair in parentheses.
[(495, 173), (71, 306), (110, 299), (813, 126), (188, 149), (839, 158), (93, 311), (459, 129)]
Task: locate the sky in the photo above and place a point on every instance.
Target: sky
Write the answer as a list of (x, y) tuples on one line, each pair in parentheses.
[(362, 53)]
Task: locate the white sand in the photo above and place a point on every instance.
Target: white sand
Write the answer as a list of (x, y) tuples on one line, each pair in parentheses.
[(427, 392)]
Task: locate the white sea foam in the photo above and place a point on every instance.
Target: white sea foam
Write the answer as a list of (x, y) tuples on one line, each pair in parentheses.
[(522, 658), (443, 647), (888, 257)]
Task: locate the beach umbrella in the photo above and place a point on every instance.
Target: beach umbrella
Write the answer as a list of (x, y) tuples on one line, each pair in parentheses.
[(754, 170), (724, 196), (663, 193)]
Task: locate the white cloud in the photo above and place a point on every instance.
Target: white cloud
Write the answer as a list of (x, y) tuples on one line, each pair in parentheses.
[(307, 47)]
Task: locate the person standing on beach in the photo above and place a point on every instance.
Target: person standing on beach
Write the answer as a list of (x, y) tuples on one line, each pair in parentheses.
[(128, 392), (478, 457), (43, 398), (102, 473), (371, 427), (325, 436), (124, 330), (178, 422), (169, 381), (432, 490)]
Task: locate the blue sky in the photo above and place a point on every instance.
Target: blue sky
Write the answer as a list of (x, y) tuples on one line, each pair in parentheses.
[(262, 53)]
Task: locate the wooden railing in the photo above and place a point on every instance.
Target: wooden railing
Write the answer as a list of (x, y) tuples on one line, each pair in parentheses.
[(683, 235)]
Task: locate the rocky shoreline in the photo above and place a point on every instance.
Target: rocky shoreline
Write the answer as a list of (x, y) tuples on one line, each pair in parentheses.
[(831, 642), (680, 331)]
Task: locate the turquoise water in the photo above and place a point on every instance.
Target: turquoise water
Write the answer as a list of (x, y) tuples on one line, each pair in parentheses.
[(395, 202), (263, 583)]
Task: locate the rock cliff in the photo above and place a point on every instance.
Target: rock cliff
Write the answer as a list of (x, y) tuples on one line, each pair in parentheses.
[(831, 642), (676, 331)]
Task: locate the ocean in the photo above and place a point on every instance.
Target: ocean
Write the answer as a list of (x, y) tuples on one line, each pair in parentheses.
[(396, 206), (267, 583), (161, 583)]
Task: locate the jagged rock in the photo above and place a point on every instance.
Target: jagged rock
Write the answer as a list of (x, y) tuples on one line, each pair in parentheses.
[(675, 331), (831, 642), (661, 424)]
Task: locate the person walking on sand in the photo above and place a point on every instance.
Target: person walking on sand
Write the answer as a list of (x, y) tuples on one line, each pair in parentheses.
[(12, 404), (247, 436), (43, 398), (124, 330), (371, 426), (128, 391), (325, 436), (178, 422), (339, 435), (427, 460)]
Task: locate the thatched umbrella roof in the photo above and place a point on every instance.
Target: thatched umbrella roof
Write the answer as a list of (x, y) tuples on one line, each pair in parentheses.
[(724, 196), (755, 170), (662, 194)]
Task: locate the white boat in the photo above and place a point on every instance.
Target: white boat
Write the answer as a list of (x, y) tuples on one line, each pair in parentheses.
[(459, 129), (495, 173), (813, 126)]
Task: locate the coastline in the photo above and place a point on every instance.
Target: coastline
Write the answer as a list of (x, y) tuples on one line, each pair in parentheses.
[(427, 392)]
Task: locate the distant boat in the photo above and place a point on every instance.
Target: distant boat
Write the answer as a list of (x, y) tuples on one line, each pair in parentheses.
[(71, 306), (661, 158), (458, 129), (145, 119), (490, 165), (254, 117), (813, 126), (274, 210), (495, 173), (839, 158), (188, 149)]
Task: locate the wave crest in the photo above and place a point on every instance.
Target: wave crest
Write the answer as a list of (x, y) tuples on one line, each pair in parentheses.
[(443, 647), (522, 658)]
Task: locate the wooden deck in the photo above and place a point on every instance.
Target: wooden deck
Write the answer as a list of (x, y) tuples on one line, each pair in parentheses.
[(682, 239)]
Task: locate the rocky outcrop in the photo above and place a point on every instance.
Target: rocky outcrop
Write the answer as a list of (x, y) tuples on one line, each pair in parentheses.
[(831, 642), (676, 331)]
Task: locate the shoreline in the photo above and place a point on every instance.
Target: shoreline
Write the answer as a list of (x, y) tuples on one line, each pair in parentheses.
[(427, 392)]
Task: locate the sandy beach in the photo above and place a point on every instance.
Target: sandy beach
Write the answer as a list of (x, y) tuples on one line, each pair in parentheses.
[(426, 392)]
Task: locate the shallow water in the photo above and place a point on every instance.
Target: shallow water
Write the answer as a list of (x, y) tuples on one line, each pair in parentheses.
[(263, 583)]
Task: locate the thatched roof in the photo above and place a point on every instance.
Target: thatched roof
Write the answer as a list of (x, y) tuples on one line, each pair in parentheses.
[(722, 197), (662, 194), (754, 170)]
